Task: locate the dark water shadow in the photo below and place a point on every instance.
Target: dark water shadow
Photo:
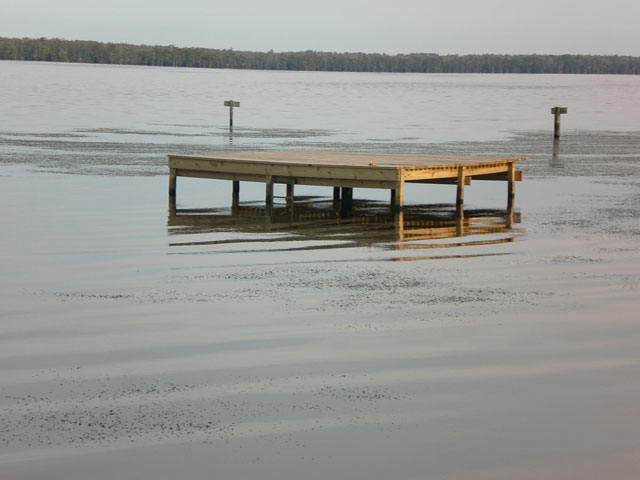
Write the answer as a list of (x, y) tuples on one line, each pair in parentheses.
[(313, 224)]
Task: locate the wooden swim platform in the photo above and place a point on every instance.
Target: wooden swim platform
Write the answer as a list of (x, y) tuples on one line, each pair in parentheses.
[(343, 171)]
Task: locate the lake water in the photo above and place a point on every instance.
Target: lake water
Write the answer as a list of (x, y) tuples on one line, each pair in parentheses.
[(217, 343)]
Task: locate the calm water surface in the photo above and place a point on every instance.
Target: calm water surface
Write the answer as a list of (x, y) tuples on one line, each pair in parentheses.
[(220, 343)]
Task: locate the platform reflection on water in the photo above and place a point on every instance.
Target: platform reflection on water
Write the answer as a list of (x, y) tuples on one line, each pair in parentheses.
[(320, 223)]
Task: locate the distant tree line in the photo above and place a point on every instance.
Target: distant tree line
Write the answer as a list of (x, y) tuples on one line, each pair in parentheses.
[(57, 50)]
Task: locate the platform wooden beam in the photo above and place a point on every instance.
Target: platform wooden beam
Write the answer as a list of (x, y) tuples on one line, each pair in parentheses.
[(503, 176), (312, 181), (445, 181)]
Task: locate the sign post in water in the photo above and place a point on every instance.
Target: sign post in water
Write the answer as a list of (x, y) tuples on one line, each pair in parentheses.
[(231, 104), (557, 111)]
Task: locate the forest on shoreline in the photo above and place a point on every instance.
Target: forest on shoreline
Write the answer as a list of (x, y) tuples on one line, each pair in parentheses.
[(82, 51)]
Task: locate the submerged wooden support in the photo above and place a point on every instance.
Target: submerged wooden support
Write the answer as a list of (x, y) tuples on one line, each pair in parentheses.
[(399, 225), (511, 185), (268, 198), (460, 192), (397, 195), (172, 182), (460, 224), (290, 196), (347, 194), (173, 177), (235, 192), (510, 217), (346, 202)]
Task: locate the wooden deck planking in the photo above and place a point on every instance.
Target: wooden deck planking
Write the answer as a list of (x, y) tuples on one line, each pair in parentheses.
[(346, 170), (354, 159)]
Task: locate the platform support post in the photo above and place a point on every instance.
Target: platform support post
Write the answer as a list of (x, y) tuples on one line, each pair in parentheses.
[(172, 188), (397, 195), (290, 190), (336, 201), (511, 185), (268, 200), (346, 204), (235, 193), (460, 192), (510, 217)]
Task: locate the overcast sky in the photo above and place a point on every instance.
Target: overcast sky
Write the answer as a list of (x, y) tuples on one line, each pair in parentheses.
[(385, 26)]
